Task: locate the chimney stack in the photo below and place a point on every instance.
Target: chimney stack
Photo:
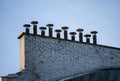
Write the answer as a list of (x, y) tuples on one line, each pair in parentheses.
[(26, 28), (42, 31), (73, 35), (65, 32), (80, 34), (94, 36), (34, 27), (87, 38), (50, 29), (58, 33)]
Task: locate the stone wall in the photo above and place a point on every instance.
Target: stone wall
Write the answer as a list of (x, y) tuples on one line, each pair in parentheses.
[(51, 59)]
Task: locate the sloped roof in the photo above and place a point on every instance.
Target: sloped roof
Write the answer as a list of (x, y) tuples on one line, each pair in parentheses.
[(99, 75)]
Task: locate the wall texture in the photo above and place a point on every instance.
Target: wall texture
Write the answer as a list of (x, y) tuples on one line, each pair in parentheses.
[(50, 59)]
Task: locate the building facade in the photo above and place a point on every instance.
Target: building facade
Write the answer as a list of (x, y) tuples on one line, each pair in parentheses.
[(48, 58)]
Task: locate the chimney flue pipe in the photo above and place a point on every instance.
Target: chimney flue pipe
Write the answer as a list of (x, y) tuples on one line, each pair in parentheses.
[(65, 32), (73, 35), (42, 31), (58, 33), (80, 34), (34, 27), (50, 29), (27, 28), (87, 38), (94, 36)]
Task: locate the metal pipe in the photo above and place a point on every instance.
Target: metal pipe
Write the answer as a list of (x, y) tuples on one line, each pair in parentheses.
[(34, 27), (27, 28), (42, 31), (50, 29), (58, 33), (80, 34), (65, 32), (73, 35), (94, 36), (87, 38)]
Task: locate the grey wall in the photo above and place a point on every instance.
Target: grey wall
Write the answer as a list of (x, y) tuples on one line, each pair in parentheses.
[(49, 59)]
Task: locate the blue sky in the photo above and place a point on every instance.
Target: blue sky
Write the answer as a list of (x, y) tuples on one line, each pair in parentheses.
[(100, 15)]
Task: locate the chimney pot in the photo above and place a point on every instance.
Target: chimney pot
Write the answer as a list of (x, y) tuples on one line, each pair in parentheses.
[(42, 28), (79, 30), (73, 35), (93, 32), (26, 25), (58, 30), (80, 34), (65, 28), (94, 36), (58, 33), (34, 27), (26, 28), (42, 31), (49, 25), (87, 37), (34, 22), (50, 29)]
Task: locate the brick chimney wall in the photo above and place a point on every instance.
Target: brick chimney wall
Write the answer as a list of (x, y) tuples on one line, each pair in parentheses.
[(51, 59)]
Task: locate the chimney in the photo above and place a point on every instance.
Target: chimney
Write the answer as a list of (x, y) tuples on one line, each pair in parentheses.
[(80, 34), (73, 35), (87, 38), (34, 27), (65, 32), (50, 29), (42, 31), (27, 28), (94, 36), (58, 33)]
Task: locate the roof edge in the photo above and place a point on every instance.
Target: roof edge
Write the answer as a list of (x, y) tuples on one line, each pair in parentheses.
[(23, 33)]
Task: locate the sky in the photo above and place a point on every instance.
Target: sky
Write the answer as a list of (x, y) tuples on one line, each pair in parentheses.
[(100, 15)]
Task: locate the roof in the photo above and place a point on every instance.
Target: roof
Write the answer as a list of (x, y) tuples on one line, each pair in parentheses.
[(99, 75)]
